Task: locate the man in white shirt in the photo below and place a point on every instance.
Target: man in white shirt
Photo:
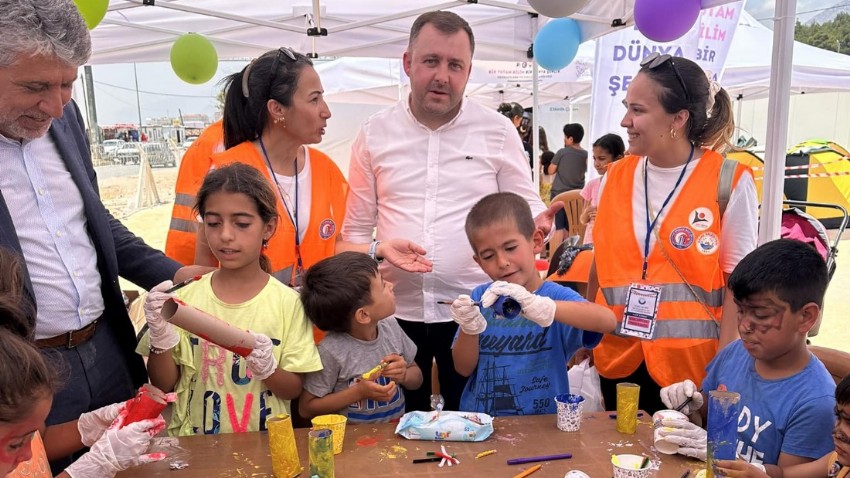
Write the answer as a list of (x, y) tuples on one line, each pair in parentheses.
[(72, 249), (416, 170)]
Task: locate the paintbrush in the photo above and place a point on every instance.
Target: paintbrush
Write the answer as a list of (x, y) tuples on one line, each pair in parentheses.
[(686, 402), (450, 302), (183, 284)]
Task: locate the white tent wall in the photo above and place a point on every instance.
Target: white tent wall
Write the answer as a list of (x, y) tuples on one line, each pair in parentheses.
[(821, 115)]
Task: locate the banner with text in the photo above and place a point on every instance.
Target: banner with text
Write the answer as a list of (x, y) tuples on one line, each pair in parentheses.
[(618, 57)]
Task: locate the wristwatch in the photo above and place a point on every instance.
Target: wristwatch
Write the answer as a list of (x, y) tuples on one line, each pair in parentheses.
[(373, 251)]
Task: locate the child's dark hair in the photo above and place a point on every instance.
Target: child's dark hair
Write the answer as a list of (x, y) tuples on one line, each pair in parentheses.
[(842, 391), (274, 75), (25, 375), (574, 131), (612, 143), (335, 287), (238, 178), (498, 207), (793, 270)]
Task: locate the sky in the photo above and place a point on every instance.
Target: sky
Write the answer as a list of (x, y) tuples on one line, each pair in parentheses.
[(161, 93)]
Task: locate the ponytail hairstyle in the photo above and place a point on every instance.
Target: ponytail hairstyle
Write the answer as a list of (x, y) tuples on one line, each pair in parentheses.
[(272, 76), (25, 375), (612, 143), (239, 178), (685, 86)]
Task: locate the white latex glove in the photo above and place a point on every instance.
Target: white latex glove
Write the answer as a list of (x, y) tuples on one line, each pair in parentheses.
[(92, 424), (163, 335), (690, 438), (467, 315), (118, 449), (536, 308), (261, 362), (675, 395)]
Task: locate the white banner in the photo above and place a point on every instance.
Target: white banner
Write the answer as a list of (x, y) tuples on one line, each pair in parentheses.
[(618, 57)]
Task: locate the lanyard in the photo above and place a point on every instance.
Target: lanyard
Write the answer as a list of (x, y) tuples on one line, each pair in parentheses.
[(651, 225), (292, 217)]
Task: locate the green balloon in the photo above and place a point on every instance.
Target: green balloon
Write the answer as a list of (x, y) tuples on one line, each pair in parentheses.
[(92, 11), (194, 59)]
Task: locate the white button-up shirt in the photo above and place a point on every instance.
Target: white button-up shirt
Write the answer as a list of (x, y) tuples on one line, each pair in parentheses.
[(48, 212), (419, 184)]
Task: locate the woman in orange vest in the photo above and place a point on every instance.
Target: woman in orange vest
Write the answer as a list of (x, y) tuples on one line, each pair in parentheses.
[(665, 238), (272, 109)]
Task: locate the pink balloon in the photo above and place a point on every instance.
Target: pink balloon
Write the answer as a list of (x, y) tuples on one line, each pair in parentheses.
[(665, 20)]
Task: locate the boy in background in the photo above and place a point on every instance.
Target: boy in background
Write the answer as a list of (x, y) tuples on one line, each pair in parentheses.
[(345, 296), (787, 395), (516, 366)]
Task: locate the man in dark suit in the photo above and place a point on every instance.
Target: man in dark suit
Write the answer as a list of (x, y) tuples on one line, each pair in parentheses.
[(73, 250)]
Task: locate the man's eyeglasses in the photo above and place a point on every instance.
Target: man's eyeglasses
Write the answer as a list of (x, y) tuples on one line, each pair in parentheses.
[(656, 59), (280, 51)]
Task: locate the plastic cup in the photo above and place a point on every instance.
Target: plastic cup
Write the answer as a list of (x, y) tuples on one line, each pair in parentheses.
[(335, 423), (627, 407), (661, 443), (569, 411), (630, 466)]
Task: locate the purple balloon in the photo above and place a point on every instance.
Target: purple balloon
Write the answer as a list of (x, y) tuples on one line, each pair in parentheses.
[(665, 20)]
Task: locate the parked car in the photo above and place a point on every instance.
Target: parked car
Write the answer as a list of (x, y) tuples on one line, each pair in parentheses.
[(111, 146), (129, 153), (158, 154)]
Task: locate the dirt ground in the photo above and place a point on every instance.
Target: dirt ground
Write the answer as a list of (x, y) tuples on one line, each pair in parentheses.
[(152, 224)]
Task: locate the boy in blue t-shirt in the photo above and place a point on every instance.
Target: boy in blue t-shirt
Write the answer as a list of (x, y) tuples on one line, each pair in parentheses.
[(787, 395), (517, 366), (346, 296)]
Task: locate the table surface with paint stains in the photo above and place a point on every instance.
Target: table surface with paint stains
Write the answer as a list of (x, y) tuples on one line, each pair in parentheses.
[(375, 451)]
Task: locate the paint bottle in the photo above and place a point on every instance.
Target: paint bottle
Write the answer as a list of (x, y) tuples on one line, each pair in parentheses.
[(722, 428)]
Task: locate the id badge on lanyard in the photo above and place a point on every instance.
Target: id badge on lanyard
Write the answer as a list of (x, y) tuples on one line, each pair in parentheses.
[(641, 313)]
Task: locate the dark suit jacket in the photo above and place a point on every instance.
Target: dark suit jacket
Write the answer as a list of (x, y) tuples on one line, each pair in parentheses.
[(119, 252)]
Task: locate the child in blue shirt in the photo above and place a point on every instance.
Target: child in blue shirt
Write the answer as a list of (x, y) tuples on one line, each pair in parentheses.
[(787, 395), (517, 366)]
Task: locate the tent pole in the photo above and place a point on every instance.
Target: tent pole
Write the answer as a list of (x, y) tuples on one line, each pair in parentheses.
[(535, 105), (777, 108)]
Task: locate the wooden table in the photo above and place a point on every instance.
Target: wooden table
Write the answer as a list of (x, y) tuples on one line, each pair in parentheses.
[(374, 451)]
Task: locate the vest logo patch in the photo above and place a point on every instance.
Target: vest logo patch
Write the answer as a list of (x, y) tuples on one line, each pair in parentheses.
[(701, 218), (707, 243), (681, 238), (327, 228)]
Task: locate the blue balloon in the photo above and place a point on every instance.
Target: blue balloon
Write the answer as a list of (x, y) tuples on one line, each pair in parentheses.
[(557, 43)]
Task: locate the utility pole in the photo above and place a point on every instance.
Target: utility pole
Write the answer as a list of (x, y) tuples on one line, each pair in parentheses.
[(95, 135)]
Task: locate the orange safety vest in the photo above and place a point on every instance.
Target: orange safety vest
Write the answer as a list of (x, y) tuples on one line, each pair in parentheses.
[(196, 162), (327, 211), (687, 332)]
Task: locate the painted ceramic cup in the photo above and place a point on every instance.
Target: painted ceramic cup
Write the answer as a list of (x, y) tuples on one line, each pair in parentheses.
[(569, 411), (660, 442), (630, 466)]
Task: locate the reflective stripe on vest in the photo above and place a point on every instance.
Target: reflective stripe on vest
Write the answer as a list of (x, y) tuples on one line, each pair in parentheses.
[(669, 293), (182, 225), (698, 328), (187, 200)]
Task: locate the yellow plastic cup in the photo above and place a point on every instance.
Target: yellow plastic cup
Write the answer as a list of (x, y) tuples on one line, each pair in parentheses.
[(627, 407), (335, 423)]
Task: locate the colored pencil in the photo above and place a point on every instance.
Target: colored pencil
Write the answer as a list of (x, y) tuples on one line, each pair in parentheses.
[(686, 474), (528, 471), (450, 302), (183, 284), (686, 402), (375, 369), (435, 459), (485, 453), (644, 463), (532, 459)]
